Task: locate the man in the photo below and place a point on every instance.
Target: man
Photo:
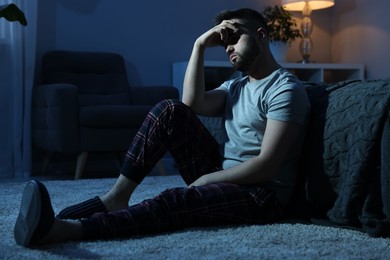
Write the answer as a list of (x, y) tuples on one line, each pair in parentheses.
[(247, 180)]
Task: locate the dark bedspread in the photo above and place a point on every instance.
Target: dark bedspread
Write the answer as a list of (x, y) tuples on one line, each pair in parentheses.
[(346, 159)]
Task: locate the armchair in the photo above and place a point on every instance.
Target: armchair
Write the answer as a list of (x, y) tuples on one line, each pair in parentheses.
[(85, 104)]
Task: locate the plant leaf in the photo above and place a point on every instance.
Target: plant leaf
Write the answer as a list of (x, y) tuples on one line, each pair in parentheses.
[(281, 25), (12, 13)]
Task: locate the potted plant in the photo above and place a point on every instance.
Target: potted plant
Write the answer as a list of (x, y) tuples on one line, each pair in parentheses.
[(12, 13), (282, 30)]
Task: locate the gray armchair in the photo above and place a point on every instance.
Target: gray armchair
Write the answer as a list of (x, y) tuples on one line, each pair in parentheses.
[(85, 104)]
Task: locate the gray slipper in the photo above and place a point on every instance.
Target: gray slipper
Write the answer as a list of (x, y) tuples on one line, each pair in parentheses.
[(83, 210), (36, 215)]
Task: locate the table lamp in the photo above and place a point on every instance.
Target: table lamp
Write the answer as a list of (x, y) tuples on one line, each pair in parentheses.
[(306, 7)]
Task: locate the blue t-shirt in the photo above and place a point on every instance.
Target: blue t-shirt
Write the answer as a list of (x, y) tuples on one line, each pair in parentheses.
[(280, 96)]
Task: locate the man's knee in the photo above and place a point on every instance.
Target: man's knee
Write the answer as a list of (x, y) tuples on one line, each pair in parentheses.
[(169, 106), (168, 103)]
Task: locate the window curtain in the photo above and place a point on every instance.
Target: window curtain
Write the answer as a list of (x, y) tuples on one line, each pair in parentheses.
[(17, 66)]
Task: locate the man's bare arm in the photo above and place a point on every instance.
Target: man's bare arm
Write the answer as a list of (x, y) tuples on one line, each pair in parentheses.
[(194, 94), (277, 143)]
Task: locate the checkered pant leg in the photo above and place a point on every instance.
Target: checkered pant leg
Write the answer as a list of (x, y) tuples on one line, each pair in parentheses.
[(172, 126), (178, 208)]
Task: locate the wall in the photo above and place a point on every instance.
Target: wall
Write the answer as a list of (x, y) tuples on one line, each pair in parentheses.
[(362, 35), (151, 34)]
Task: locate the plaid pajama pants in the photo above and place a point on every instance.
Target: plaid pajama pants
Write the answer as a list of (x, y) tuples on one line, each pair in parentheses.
[(172, 126)]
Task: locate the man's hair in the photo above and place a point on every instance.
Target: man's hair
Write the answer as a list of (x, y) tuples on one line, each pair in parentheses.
[(252, 19)]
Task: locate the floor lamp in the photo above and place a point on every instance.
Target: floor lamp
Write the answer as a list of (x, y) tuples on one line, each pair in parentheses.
[(306, 7)]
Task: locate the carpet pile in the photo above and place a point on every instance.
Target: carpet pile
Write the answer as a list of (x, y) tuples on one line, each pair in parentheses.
[(284, 240)]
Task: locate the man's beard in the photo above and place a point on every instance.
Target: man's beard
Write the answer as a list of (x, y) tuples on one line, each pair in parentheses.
[(243, 64), (245, 59)]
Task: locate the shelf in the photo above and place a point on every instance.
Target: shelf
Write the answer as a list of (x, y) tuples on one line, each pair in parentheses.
[(216, 72), (326, 72)]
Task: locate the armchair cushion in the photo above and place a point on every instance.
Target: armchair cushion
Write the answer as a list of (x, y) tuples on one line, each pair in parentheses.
[(94, 90), (113, 116), (151, 95), (100, 77), (55, 116)]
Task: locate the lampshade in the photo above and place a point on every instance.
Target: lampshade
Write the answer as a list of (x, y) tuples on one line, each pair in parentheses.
[(306, 6), (298, 5)]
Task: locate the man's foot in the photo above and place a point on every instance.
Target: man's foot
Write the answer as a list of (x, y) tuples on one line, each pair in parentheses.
[(83, 210), (116, 199), (89, 207), (36, 215)]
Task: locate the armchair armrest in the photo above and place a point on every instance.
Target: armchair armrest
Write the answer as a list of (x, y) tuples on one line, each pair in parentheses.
[(151, 95), (55, 110)]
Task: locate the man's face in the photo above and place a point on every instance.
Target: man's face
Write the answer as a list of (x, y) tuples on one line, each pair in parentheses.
[(241, 47)]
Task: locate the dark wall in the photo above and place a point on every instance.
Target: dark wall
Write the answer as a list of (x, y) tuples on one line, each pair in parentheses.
[(151, 34)]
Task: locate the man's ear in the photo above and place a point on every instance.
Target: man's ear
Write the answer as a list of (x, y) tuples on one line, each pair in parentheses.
[(261, 32)]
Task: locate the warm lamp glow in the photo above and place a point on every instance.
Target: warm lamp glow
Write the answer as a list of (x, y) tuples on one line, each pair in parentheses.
[(306, 6), (298, 5)]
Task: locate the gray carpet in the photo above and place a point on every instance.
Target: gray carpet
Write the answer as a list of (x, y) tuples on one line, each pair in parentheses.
[(293, 241)]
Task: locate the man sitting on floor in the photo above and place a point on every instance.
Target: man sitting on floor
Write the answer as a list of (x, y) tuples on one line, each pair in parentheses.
[(248, 179)]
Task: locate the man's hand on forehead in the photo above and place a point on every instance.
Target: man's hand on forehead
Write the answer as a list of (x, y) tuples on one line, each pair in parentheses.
[(229, 31), (221, 34)]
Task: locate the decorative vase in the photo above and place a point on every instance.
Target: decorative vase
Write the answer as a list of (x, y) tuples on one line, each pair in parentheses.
[(279, 50)]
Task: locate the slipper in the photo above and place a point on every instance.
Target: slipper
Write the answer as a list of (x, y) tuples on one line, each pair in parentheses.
[(36, 215), (83, 210)]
